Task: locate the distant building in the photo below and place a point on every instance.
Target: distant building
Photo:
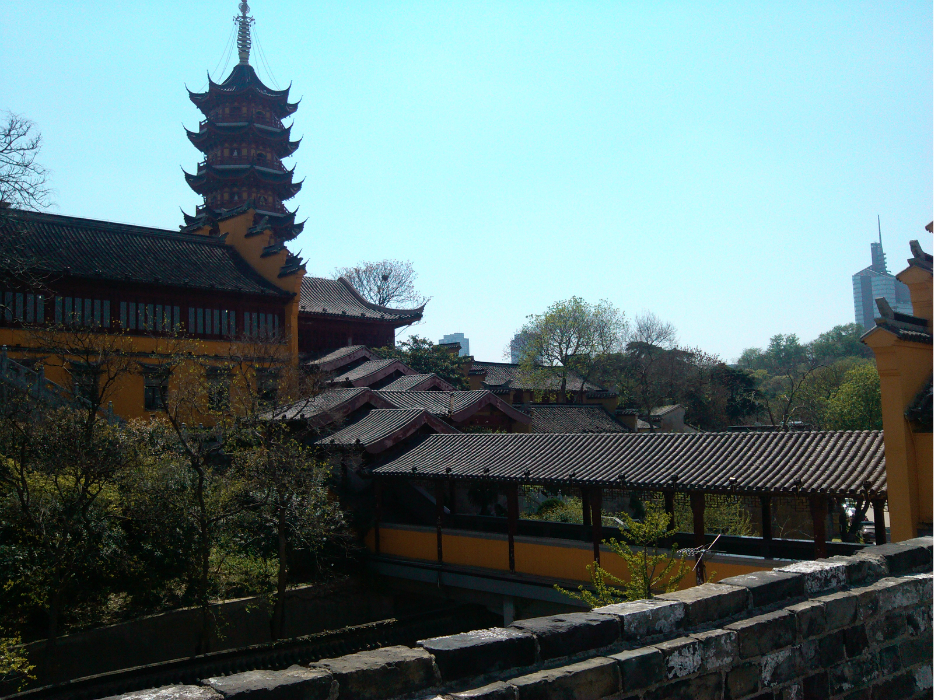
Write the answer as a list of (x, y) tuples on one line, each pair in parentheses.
[(517, 346), (457, 338), (875, 282)]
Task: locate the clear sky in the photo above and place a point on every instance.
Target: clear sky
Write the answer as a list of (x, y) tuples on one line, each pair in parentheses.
[(721, 164)]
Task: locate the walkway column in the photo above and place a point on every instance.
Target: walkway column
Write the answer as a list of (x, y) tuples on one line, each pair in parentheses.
[(698, 504), (766, 526), (819, 518), (596, 505), (585, 506), (878, 516), (378, 511), (439, 513), (670, 507), (512, 521)]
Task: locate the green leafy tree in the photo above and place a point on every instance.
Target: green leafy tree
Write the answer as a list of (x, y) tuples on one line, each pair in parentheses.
[(15, 668), (857, 404), (425, 358), (651, 569), (569, 339)]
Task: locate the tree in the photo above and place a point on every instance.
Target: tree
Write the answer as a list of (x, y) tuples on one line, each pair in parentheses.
[(650, 569), (386, 283), (841, 342), (425, 357), (23, 181), (857, 404), (288, 485), (568, 339)]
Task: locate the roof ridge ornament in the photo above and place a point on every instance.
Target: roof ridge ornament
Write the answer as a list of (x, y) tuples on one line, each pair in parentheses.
[(244, 41)]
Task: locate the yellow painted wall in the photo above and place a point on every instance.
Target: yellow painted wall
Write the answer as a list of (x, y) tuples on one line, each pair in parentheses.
[(544, 558)]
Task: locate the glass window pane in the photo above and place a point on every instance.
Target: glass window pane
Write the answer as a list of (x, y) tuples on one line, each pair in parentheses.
[(40, 308), (191, 320), (19, 306), (58, 310), (200, 321), (30, 308), (217, 322), (97, 313), (123, 315), (132, 315)]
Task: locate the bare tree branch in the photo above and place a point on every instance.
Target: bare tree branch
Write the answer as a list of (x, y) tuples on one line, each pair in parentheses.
[(387, 282), (23, 181)]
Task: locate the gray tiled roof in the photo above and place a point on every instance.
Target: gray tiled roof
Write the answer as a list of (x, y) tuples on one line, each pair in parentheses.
[(314, 406), (342, 356), (834, 463), (506, 375), (438, 403), (382, 427), (365, 370), (572, 418), (326, 297), (414, 382), (103, 250)]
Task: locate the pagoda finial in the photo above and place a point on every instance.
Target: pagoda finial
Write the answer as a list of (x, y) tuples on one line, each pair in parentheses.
[(244, 42)]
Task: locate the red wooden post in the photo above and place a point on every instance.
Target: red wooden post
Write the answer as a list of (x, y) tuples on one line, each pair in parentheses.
[(819, 517), (878, 516), (766, 526), (378, 492), (439, 514), (512, 521), (670, 507), (596, 505), (585, 506)]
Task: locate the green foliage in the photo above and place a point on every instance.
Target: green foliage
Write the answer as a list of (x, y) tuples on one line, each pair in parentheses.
[(857, 403), (425, 358), (725, 515), (651, 569), (568, 339), (559, 510), (14, 666)]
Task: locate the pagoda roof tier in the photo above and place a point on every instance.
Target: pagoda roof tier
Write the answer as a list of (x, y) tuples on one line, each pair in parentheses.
[(243, 83), (209, 176), (282, 224), (211, 132), (327, 297)]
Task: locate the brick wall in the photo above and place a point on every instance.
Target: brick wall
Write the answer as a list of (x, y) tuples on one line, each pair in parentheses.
[(845, 627)]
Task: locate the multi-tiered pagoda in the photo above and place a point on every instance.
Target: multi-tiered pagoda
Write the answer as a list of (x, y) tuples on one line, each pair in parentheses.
[(244, 141)]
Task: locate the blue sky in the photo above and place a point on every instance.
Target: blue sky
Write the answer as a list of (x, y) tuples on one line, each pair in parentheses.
[(721, 165)]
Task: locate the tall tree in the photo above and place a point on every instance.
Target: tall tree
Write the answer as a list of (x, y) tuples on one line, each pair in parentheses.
[(426, 358), (23, 181), (385, 282), (570, 338)]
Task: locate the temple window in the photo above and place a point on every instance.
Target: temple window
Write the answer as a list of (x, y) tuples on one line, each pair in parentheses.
[(235, 152), (155, 388), (261, 157)]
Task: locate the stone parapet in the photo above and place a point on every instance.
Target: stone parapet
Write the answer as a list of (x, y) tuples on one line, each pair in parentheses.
[(824, 629)]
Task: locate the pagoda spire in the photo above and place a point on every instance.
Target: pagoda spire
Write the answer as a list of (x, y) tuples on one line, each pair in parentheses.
[(244, 41)]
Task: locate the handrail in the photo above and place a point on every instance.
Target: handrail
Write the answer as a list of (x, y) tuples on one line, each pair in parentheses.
[(34, 384)]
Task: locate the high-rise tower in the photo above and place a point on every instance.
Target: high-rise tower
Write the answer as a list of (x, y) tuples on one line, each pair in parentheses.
[(244, 142), (875, 282)]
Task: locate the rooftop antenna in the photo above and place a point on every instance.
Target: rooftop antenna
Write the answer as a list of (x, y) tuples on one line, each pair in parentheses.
[(243, 34), (879, 221)]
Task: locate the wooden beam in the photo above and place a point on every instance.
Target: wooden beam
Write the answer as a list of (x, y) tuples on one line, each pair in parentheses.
[(512, 521), (378, 510), (819, 519), (698, 504), (766, 526), (439, 515), (596, 505), (878, 516)]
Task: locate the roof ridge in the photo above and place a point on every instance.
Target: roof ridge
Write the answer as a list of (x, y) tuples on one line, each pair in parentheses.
[(136, 229)]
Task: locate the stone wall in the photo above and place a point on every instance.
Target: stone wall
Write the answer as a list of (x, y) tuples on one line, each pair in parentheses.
[(845, 627)]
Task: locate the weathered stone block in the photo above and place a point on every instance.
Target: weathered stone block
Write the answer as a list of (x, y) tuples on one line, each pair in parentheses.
[(587, 680), (708, 687), (778, 667), (901, 685), (171, 692), (889, 660), (839, 609), (767, 587), (764, 633), (719, 649), (646, 618), (853, 674), (682, 657), (816, 686), (855, 640), (810, 617), (862, 567), (919, 620), (915, 651), (742, 680), (709, 602), (564, 635), (888, 594), (294, 682), (886, 628), (903, 557), (481, 651), (831, 649), (819, 575), (640, 668), (382, 673), (493, 691)]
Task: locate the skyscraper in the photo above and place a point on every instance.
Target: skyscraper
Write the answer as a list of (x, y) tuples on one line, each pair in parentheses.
[(457, 338), (873, 282)]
